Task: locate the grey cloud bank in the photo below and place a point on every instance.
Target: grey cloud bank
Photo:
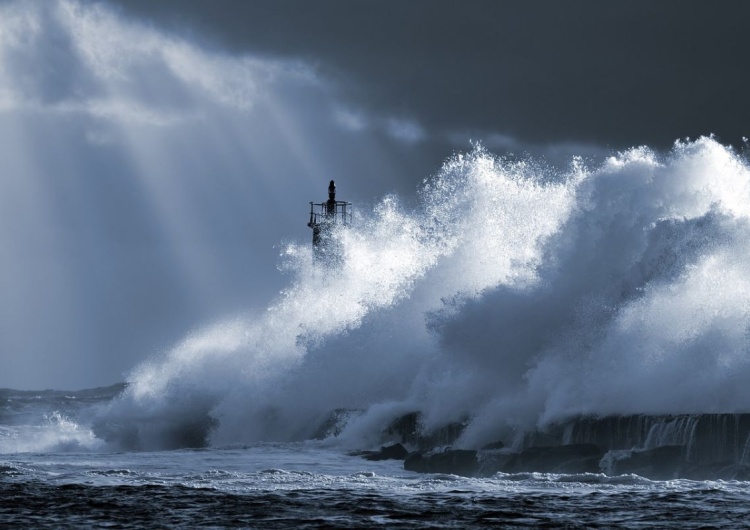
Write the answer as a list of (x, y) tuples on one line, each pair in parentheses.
[(611, 73)]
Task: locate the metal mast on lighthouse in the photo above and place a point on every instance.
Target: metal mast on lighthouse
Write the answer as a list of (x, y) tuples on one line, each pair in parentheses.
[(324, 216)]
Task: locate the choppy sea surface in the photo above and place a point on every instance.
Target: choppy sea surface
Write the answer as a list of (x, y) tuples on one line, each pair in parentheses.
[(55, 473), (308, 485)]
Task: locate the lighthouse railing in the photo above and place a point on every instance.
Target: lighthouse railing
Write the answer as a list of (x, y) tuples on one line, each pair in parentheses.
[(340, 213)]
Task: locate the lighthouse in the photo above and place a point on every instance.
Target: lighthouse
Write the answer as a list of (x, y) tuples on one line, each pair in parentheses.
[(324, 216)]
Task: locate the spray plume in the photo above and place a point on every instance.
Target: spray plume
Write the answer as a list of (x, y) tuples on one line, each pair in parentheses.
[(513, 295)]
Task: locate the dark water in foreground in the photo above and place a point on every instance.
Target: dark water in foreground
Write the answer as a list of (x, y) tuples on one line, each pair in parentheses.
[(45, 506), (55, 473), (77, 505), (312, 486)]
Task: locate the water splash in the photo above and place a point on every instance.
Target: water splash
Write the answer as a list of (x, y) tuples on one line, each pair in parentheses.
[(514, 296), (56, 433)]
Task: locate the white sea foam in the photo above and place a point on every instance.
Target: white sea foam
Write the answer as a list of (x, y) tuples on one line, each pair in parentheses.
[(513, 295), (56, 433)]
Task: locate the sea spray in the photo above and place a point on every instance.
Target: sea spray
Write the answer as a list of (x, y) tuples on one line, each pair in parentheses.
[(644, 306), (512, 297), (51, 420)]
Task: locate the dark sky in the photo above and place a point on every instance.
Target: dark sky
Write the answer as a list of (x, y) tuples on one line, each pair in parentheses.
[(156, 156), (609, 73)]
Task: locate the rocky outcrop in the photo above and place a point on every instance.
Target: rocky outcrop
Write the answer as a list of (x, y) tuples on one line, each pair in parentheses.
[(451, 461), (659, 447), (387, 452), (660, 463), (335, 422), (695, 446), (408, 430), (707, 438), (576, 458)]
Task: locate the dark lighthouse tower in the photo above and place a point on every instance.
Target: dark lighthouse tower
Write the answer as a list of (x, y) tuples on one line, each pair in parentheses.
[(323, 217)]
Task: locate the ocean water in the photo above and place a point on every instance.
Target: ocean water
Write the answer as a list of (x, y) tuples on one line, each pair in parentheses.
[(76, 481), (289, 485)]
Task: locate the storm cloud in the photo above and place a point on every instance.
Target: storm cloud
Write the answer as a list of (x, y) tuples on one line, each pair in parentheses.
[(607, 73)]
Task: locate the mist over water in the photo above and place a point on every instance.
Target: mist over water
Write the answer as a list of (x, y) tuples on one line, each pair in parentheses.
[(515, 295)]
